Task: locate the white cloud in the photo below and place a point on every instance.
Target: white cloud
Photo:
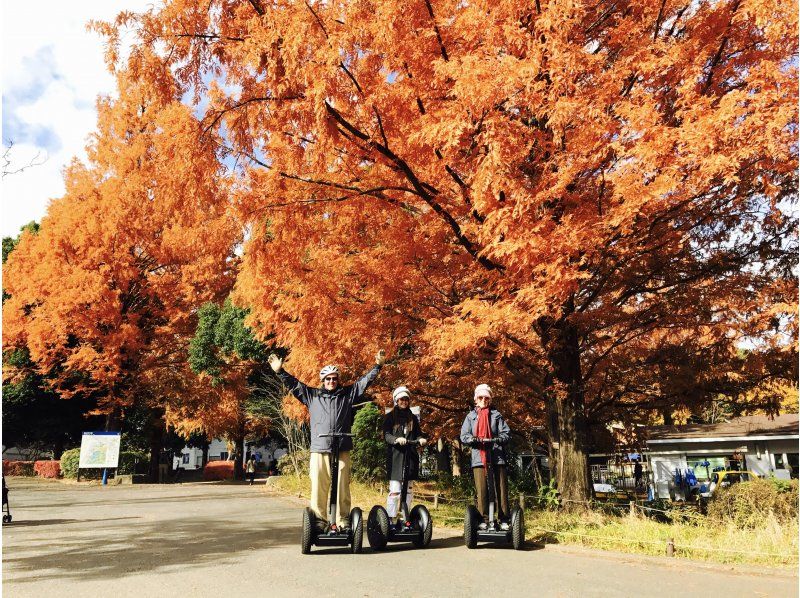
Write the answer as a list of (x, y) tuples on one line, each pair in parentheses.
[(53, 71)]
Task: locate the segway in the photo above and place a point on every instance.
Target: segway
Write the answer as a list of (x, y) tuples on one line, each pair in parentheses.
[(6, 508), (415, 527), (334, 536), (515, 534)]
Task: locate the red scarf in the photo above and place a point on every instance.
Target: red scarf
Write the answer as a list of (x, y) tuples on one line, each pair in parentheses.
[(483, 430)]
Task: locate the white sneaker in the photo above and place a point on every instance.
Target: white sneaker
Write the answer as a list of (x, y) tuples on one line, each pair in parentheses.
[(482, 527), (504, 526)]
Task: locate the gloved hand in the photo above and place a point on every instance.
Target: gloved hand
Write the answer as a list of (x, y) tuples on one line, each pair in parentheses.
[(400, 441), (275, 362), (380, 357), (423, 441)]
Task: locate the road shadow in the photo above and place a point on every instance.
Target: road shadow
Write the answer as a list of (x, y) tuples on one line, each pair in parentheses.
[(42, 522), (143, 547)]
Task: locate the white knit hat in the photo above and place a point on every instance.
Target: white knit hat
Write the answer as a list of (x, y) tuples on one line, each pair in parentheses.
[(483, 390), (399, 392)]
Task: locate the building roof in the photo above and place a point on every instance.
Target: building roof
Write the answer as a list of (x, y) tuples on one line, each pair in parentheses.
[(751, 427)]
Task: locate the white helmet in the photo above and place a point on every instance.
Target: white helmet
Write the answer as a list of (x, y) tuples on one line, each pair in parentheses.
[(327, 371), (399, 392)]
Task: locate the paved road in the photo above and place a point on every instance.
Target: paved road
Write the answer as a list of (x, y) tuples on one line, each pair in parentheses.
[(230, 540)]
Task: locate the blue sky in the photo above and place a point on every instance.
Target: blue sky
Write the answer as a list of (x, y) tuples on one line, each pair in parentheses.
[(53, 71)]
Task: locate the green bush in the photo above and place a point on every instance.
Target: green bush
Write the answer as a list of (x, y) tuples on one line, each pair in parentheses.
[(286, 466), (127, 464), (69, 463), (368, 456), (456, 487), (750, 504)]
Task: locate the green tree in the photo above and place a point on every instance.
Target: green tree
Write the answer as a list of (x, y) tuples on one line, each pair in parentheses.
[(225, 350), (369, 449)]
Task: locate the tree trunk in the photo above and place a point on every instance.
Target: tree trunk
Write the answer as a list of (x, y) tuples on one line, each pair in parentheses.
[(205, 454), (455, 457), (58, 449), (156, 441), (442, 456), (567, 416), (666, 413)]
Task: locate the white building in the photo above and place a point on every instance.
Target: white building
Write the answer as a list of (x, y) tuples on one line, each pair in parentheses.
[(767, 447), (192, 458)]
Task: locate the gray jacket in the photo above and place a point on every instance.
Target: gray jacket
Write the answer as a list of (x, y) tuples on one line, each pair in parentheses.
[(500, 431), (329, 411)]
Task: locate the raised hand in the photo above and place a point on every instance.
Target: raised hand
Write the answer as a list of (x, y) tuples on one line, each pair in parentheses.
[(380, 357), (275, 362)]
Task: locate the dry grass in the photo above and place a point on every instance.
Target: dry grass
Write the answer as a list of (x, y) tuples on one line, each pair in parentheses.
[(772, 544)]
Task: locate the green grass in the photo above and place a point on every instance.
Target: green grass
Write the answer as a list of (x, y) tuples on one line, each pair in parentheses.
[(706, 540)]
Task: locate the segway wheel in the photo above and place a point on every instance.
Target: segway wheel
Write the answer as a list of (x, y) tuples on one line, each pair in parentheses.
[(378, 527), (6, 518), (357, 530), (471, 521), (422, 519), (518, 528), (309, 526)]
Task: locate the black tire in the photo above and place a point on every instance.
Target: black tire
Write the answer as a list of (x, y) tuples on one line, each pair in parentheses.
[(471, 521), (309, 527), (6, 518), (518, 528), (357, 530), (378, 527), (422, 519)]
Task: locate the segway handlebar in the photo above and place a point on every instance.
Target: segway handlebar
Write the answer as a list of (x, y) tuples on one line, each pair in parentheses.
[(335, 435), (487, 440)]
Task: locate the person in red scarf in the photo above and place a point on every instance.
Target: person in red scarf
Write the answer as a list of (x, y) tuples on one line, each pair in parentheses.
[(486, 422)]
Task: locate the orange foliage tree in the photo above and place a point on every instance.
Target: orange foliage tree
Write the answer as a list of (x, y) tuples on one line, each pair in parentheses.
[(583, 203), (104, 296)]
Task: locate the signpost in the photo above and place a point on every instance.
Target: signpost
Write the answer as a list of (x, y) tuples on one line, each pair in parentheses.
[(99, 450)]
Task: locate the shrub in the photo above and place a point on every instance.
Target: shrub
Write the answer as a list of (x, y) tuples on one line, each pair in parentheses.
[(286, 464), (218, 470), (454, 487), (19, 468), (750, 504), (369, 448), (47, 469), (69, 462), (128, 461)]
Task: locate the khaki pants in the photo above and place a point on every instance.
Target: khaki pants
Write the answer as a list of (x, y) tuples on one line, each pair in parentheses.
[(500, 491), (320, 472)]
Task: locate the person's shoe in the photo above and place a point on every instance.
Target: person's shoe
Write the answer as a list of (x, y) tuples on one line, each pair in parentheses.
[(482, 527), (504, 526), (322, 526)]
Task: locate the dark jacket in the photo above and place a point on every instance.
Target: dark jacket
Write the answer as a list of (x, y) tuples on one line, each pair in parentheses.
[(500, 431), (401, 422), (329, 411)]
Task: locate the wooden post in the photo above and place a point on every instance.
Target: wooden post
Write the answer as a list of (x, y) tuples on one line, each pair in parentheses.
[(633, 508), (671, 547), (521, 501), (436, 500)]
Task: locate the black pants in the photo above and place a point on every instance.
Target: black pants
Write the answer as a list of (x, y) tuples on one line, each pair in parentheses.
[(251, 475), (500, 491)]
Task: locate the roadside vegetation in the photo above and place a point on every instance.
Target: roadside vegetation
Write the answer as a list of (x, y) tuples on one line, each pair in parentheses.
[(753, 523)]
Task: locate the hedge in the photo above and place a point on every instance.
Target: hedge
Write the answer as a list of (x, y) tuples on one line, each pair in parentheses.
[(19, 468), (47, 469), (218, 470)]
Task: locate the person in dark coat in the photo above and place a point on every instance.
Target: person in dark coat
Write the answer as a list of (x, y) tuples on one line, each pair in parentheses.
[(486, 422), (400, 426), (330, 410)]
